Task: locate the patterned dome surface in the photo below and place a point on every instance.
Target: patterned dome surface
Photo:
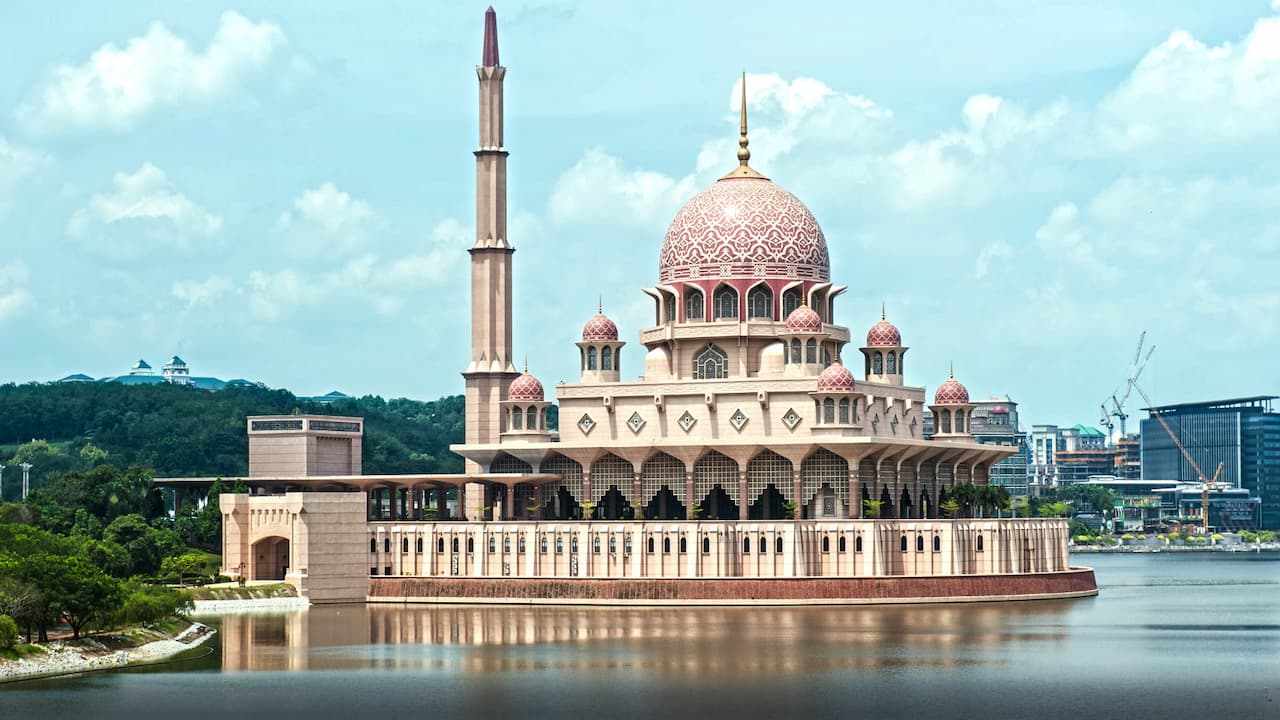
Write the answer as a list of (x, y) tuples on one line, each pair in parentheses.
[(884, 334), (951, 392), (744, 227), (526, 388), (804, 320), (600, 329), (836, 378)]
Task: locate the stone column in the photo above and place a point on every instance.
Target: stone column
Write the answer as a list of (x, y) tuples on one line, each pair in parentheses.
[(695, 551), (797, 491), (586, 491), (743, 501), (854, 510), (637, 550), (690, 501)]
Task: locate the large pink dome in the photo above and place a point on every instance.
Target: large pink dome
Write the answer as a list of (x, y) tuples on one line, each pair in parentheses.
[(951, 392), (525, 388), (884, 334), (836, 378), (600, 329), (744, 227)]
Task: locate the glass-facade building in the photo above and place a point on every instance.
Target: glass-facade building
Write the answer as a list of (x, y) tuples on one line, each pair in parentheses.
[(1243, 434), (995, 422)]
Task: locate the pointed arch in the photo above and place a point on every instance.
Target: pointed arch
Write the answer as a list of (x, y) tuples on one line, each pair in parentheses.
[(725, 301), (760, 302), (710, 363), (694, 306)]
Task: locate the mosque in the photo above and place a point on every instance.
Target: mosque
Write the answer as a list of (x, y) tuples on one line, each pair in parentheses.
[(749, 463)]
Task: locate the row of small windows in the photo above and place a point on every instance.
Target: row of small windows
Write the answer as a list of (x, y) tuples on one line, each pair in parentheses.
[(944, 421), (651, 545), (845, 410), (607, 359), (810, 353), (879, 362), (531, 418), (724, 303)]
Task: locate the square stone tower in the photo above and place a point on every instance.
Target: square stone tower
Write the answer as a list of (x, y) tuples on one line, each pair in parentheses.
[(290, 446)]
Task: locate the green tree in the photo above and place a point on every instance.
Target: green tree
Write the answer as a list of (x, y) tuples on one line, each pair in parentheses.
[(8, 632), (81, 593), (871, 508), (92, 455), (137, 538)]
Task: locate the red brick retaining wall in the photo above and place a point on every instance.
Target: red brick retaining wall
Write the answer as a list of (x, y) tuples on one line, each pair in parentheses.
[(955, 588)]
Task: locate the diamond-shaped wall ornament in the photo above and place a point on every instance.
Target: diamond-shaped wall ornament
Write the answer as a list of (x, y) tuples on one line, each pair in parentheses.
[(585, 424), (635, 422), (687, 421), (738, 419), (791, 419)]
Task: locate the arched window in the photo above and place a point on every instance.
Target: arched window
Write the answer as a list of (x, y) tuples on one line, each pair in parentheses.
[(650, 546), (404, 545), (591, 358), (790, 301), (455, 544), (904, 543), (811, 351), (531, 418), (693, 311), (746, 546), (979, 543), (919, 543), (877, 364), (419, 545), (669, 304), (684, 545), (857, 544), (386, 545), (937, 544), (595, 544), (764, 545), (826, 544), (796, 351), (760, 303), (844, 411), (666, 546), (777, 545), (493, 545), (373, 545), (706, 546), (606, 358), (829, 411), (440, 545), (841, 544), (471, 545), (726, 303), (959, 421), (517, 419), (893, 363), (946, 421), (710, 363)]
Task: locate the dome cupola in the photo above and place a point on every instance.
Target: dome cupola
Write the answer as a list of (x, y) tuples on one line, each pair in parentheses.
[(525, 388), (600, 329), (951, 392), (835, 379), (804, 321)]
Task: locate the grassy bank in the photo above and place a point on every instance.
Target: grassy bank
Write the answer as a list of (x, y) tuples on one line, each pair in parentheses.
[(251, 592)]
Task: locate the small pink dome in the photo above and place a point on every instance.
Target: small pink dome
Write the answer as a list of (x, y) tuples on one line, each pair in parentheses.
[(526, 388), (804, 320), (835, 378), (951, 392), (884, 334), (600, 329)]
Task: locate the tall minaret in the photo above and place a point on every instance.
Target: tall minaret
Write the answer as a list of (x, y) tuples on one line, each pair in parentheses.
[(491, 368)]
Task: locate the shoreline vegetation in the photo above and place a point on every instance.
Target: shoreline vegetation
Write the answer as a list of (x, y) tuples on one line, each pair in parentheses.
[(127, 648)]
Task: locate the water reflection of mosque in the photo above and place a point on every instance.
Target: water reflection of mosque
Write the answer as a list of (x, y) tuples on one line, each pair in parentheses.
[(691, 642)]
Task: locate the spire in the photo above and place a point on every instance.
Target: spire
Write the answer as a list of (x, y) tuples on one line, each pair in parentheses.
[(743, 170), (600, 304), (526, 357), (882, 317), (952, 374), (490, 38)]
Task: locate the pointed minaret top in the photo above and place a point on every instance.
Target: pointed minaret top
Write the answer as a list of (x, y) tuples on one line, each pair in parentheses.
[(490, 38), (743, 170)]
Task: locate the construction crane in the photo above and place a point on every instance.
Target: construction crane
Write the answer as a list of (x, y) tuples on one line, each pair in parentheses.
[(1117, 404), (1205, 484)]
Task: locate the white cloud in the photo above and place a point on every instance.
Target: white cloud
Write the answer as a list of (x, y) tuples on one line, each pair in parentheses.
[(194, 293), (117, 86), (17, 165), (346, 222), (13, 298), (992, 254), (146, 209), (1185, 95), (598, 189)]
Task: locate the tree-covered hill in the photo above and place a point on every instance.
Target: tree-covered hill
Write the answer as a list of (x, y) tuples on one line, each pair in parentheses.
[(180, 431)]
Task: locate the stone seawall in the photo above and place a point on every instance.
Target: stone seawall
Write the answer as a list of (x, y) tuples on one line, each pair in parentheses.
[(1075, 582)]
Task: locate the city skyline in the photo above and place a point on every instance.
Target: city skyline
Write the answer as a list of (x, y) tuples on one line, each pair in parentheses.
[(269, 197)]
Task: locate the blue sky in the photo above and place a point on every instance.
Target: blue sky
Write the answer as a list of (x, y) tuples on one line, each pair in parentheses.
[(284, 191)]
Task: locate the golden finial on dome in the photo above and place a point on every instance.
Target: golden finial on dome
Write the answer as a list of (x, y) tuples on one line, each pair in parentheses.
[(743, 170)]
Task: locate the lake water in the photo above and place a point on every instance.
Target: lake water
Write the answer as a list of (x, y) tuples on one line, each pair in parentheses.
[(1170, 636)]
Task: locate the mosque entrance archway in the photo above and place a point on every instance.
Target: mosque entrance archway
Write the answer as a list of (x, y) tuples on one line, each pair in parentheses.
[(664, 505), (718, 505), (769, 505), (614, 506), (270, 558)]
